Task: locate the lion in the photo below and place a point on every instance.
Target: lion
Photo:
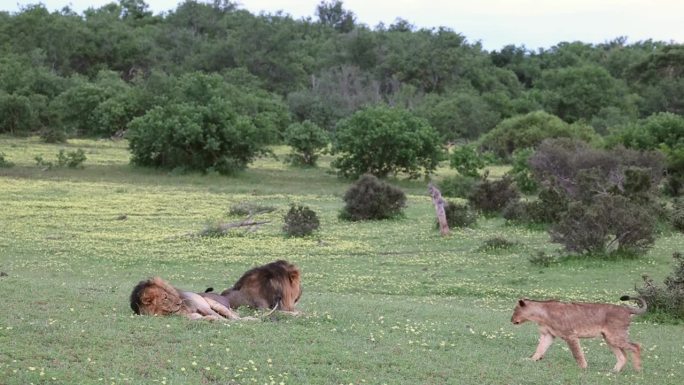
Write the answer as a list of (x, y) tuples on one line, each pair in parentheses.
[(157, 297), (572, 321), (276, 285)]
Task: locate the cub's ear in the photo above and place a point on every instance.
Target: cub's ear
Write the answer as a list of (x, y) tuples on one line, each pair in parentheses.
[(521, 302)]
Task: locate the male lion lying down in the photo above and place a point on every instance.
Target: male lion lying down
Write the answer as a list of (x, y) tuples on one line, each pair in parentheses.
[(157, 297), (572, 321)]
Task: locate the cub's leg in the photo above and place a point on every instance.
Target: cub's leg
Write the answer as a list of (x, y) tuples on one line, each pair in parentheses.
[(622, 343), (576, 349), (545, 340)]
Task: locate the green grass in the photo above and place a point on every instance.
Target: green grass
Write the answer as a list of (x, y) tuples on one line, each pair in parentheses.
[(384, 302)]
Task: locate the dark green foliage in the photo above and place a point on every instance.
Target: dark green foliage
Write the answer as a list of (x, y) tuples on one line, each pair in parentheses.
[(4, 163), (521, 173), (70, 159), (307, 140), (458, 116), (458, 215), (492, 196), (16, 115), (610, 223), (528, 131), (669, 298), (195, 137), (496, 243), (467, 161), (383, 141), (369, 198), (662, 131), (300, 221), (677, 215), (546, 210), (457, 186)]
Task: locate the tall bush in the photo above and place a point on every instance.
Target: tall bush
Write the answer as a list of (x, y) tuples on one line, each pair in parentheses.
[(383, 141), (370, 198)]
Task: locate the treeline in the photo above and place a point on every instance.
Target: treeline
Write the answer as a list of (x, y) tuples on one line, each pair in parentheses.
[(64, 74)]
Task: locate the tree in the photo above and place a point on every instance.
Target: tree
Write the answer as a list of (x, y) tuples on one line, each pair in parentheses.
[(527, 131), (334, 15), (306, 140), (383, 140)]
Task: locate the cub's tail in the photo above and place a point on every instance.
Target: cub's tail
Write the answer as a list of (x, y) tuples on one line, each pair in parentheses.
[(635, 310)]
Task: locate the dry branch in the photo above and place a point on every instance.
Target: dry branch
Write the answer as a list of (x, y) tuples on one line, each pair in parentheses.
[(439, 203)]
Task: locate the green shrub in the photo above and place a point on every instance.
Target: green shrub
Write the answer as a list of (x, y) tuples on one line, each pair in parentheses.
[(528, 131), (496, 243), (677, 215), (307, 140), (457, 186), (548, 208), (370, 198), (492, 196), (383, 141), (467, 161), (195, 137), (521, 172), (4, 163), (669, 298), (300, 221), (71, 159), (610, 223), (458, 215)]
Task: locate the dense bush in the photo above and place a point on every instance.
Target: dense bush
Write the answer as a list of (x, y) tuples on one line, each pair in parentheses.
[(527, 131), (663, 131), (16, 115), (458, 215), (496, 243), (610, 223), (195, 137), (457, 186), (307, 140), (71, 159), (677, 215), (300, 221), (4, 163), (521, 173), (492, 196), (581, 171), (669, 298), (466, 160), (383, 141), (547, 209), (370, 198)]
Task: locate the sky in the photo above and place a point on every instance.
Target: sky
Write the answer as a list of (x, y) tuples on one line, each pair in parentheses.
[(494, 23)]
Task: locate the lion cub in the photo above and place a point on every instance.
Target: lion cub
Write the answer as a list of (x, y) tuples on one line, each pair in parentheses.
[(572, 321)]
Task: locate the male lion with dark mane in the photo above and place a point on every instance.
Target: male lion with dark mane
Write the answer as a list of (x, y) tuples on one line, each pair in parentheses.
[(157, 297), (575, 320), (276, 285)]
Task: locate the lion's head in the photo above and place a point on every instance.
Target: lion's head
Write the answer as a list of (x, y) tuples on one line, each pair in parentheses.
[(155, 297)]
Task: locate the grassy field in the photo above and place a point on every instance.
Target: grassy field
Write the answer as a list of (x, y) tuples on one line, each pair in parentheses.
[(386, 302)]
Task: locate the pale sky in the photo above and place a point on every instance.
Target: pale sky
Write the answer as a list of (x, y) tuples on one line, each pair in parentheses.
[(495, 23)]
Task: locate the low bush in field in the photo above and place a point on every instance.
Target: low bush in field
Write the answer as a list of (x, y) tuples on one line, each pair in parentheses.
[(71, 159), (300, 221), (492, 196), (457, 186), (669, 298), (370, 198), (4, 163), (458, 215), (547, 209), (497, 243)]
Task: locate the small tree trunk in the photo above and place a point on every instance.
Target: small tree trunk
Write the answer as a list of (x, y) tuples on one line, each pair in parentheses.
[(439, 208)]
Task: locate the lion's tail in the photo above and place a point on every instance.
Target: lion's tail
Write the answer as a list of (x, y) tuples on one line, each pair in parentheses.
[(635, 310)]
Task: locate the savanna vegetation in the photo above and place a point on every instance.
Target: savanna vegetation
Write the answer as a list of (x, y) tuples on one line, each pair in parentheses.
[(203, 141)]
